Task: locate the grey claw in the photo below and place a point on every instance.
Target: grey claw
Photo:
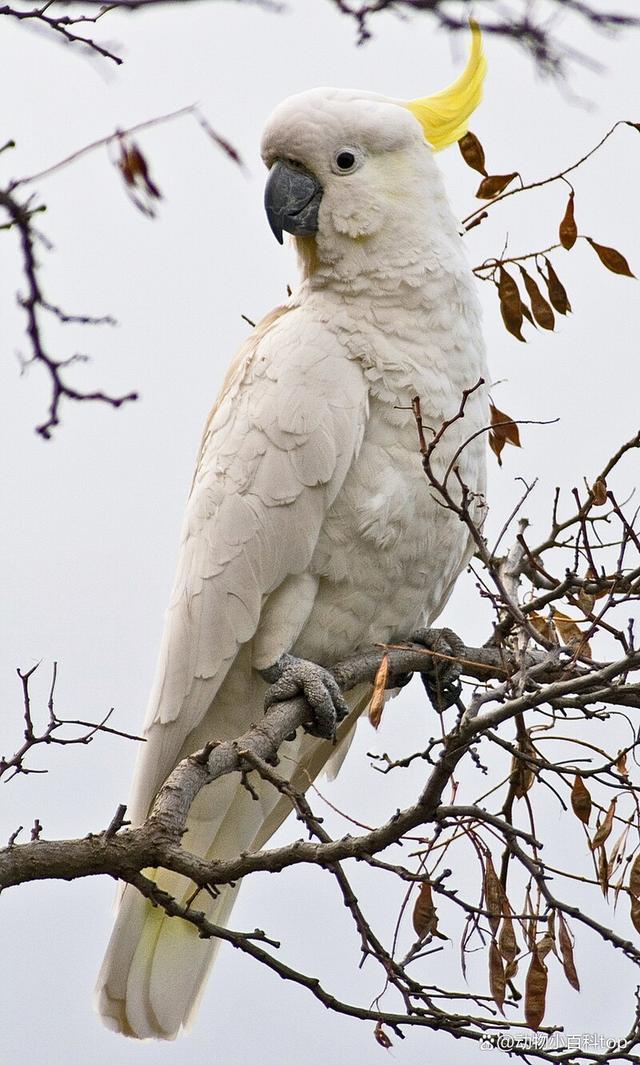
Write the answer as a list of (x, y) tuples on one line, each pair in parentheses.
[(319, 687), (442, 678)]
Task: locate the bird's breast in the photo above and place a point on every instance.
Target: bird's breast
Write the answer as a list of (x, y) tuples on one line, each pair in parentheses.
[(388, 553)]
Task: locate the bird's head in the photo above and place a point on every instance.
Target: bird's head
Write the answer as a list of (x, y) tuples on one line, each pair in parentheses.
[(347, 166)]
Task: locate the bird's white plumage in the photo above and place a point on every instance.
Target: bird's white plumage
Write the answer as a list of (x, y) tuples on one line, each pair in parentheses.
[(310, 528)]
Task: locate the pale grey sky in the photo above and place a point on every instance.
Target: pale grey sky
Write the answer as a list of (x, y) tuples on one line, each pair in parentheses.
[(90, 519)]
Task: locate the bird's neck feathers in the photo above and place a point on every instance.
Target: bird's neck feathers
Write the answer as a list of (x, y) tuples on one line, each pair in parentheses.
[(395, 233)]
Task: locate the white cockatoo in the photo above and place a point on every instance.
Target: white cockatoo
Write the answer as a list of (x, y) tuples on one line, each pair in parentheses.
[(310, 530)]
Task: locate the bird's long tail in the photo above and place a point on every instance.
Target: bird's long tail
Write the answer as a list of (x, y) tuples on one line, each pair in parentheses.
[(156, 966)]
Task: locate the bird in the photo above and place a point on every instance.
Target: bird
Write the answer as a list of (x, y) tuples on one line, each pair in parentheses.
[(310, 529)]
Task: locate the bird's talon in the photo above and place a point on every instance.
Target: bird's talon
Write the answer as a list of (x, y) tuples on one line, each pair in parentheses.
[(296, 676), (442, 678)]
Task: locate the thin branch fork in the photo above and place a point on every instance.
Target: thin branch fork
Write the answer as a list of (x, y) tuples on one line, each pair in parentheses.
[(33, 301), (50, 734)]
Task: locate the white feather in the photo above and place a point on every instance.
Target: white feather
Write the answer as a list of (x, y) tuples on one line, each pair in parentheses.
[(310, 527)]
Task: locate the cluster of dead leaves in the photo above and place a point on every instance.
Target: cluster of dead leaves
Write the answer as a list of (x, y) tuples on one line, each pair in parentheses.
[(559, 627), (530, 303), (539, 311), (609, 863), (505, 952)]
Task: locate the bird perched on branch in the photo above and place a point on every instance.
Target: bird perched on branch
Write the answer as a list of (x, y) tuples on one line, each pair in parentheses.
[(311, 531)]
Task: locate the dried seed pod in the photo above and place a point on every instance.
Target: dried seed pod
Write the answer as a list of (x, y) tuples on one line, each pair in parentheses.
[(557, 292), (581, 800), (425, 918), (497, 981), (510, 303), (568, 231), (472, 152), (376, 706), (612, 259), (535, 992), (541, 310), (566, 950), (493, 185)]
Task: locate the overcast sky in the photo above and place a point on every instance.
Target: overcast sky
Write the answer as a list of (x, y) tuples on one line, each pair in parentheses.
[(90, 520)]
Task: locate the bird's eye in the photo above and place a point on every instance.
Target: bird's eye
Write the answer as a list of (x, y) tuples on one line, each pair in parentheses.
[(345, 160)]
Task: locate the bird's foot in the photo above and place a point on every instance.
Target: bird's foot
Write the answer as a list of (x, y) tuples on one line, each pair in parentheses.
[(442, 677), (292, 676)]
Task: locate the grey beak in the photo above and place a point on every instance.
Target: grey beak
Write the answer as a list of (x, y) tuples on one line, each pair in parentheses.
[(291, 199)]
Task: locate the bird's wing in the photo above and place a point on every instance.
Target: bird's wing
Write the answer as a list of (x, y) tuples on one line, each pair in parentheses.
[(275, 452)]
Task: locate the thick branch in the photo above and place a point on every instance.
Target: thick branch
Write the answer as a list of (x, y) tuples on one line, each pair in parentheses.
[(157, 842)]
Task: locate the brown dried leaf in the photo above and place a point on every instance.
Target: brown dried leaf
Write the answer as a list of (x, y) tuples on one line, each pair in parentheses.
[(376, 706), (566, 950), (522, 774), (599, 492), (612, 259), (541, 310), (603, 871), (425, 918), (503, 431), (503, 426), (635, 912), (493, 185), (535, 992), (604, 829), (527, 313), (542, 625), (497, 981), (617, 888), (129, 164), (555, 288), (545, 944), (581, 800), (381, 1036), (634, 877), (617, 848), (621, 764), (568, 231), (507, 942), (570, 634), (493, 895), (472, 152), (510, 970), (510, 304), (496, 446), (135, 169)]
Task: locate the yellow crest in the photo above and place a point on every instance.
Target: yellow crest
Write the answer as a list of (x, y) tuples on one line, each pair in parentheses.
[(444, 116)]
